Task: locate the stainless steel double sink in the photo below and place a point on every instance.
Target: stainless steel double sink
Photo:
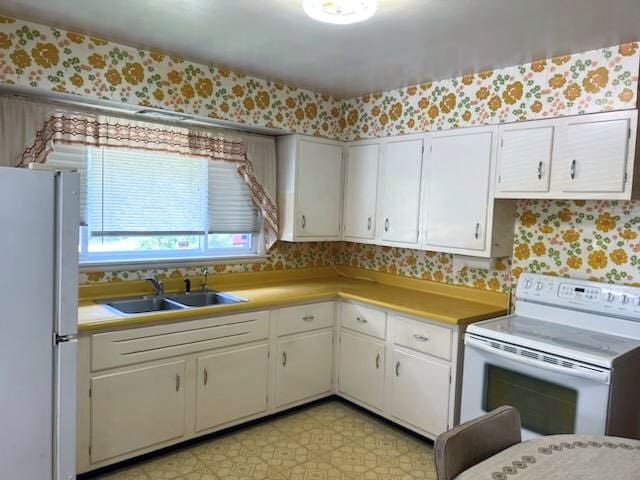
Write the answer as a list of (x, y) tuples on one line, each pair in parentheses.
[(181, 301)]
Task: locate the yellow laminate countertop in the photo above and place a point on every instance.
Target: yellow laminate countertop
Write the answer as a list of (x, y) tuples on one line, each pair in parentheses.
[(446, 303)]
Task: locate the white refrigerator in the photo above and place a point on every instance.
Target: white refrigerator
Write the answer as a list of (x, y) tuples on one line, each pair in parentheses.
[(39, 218)]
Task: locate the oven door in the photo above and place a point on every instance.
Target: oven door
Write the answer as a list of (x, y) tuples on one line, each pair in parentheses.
[(554, 395)]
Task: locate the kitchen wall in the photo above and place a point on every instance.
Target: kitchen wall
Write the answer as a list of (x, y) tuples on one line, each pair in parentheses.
[(282, 256), (590, 239), (594, 81), (56, 60)]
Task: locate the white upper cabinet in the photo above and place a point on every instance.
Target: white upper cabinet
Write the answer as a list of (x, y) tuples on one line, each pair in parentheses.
[(309, 188), (457, 174), (582, 157), (593, 154), (524, 157), (361, 185), (400, 190)]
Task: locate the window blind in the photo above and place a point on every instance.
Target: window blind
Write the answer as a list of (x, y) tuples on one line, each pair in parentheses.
[(73, 157), (133, 192), (230, 208)]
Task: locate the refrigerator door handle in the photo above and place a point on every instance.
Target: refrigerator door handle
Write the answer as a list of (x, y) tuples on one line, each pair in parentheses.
[(57, 339)]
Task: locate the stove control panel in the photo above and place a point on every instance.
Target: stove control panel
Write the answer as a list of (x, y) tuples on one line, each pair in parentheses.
[(619, 300), (579, 292)]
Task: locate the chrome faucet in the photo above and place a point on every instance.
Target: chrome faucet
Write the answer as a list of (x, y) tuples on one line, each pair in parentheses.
[(205, 273), (157, 283)]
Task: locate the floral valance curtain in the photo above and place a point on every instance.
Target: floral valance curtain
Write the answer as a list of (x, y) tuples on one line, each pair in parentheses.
[(112, 132)]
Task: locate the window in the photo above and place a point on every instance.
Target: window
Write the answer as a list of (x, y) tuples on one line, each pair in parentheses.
[(139, 205)]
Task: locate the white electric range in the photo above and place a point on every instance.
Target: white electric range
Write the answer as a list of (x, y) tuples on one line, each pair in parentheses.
[(568, 359)]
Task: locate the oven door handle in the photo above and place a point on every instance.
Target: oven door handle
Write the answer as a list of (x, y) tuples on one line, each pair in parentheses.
[(601, 376)]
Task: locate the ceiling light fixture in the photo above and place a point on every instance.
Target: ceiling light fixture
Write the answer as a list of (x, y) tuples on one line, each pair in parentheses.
[(340, 12)]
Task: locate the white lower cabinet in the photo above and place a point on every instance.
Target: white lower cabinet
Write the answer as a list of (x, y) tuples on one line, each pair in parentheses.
[(137, 408), (361, 370), (142, 389), (420, 391), (231, 385), (304, 367)]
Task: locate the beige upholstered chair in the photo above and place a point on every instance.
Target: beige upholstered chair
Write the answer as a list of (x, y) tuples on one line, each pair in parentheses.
[(476, 440)]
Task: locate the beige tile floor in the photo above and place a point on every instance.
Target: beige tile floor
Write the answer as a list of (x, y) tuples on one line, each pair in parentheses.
[(329, 441)]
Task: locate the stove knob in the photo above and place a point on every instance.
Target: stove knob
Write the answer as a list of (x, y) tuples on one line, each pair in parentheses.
[(636, 301), (527, 283), (610, 297), (624, 299), (539, 286)]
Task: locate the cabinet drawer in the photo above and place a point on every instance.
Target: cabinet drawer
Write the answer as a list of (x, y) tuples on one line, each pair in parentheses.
[(363, 319), (126, 347), (303, 318), (423, 337)]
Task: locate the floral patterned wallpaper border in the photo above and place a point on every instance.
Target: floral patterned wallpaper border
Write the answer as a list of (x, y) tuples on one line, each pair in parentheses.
[(597, 240)]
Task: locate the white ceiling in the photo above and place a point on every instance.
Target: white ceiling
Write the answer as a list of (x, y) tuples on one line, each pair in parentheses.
[(407, 41)]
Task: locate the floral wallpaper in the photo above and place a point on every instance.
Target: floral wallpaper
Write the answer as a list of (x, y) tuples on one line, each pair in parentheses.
[(592, 239), (594, 81), (56, 60), (283, 255), (434, 266), (60, 61)]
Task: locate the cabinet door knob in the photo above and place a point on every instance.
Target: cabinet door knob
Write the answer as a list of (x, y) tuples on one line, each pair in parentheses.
[(378, 361), (284, 359), (386, 225), (477, 232), (206, 376), (177, 383), (308, 318), (398, 368), (369, 223), (304, 221), (421, 338), (572, 170), (540, 170)]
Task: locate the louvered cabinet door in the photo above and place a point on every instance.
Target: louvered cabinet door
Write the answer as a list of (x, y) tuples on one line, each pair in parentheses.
[(524, 158), (594, 153)]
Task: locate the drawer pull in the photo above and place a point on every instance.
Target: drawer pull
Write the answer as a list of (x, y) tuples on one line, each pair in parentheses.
[(361, 320), (378, 361), (206, 376), (308, 318), (398, 368), (284, 359), (177, 383), (421, 338)]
